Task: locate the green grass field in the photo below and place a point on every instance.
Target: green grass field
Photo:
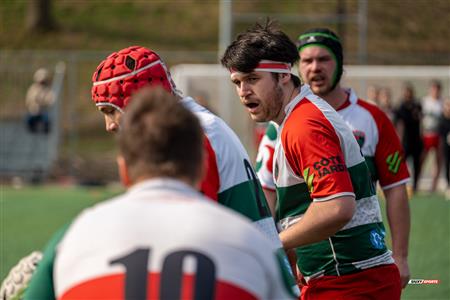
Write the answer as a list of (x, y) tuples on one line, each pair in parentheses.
[(30, 215)]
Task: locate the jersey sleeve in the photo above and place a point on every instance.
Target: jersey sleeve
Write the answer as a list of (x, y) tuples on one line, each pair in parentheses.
[(210, 184), (313, 150), (264, 158), (41, 285), (390, 160)]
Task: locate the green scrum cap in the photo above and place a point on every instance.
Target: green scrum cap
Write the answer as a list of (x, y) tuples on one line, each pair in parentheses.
[(328, 39)]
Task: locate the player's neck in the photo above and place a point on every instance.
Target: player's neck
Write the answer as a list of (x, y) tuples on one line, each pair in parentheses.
[(290, 92), (336, 97), (194, 183)]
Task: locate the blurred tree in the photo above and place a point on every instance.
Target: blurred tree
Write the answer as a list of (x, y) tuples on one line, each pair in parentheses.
[(39, 16), (341, 11)]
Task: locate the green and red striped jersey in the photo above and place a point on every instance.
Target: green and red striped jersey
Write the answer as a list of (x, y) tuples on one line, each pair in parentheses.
[(317, 158)]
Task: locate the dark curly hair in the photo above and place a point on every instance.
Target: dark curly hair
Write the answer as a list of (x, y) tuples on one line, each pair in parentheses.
[(261, 42)]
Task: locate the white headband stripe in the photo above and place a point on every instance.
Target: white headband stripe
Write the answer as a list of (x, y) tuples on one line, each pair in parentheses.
[(129, 74), (109, 104), (277, 64), (271, 66), (272, 70)]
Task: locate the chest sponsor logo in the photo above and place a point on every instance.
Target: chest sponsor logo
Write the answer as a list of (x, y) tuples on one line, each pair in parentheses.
[(329, 165), (393, 161)]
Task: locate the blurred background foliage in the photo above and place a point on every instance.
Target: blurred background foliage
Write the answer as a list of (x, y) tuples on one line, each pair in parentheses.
[(411, 31), (83, 32)]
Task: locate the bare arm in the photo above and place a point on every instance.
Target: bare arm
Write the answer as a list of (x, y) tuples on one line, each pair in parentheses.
[(320, 221), (398, 214), (271, 197)]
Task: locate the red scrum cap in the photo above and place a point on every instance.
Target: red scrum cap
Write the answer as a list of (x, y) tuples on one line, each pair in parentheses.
[(124, 72)]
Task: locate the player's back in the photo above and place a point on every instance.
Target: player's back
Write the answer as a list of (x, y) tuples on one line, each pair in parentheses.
[(163, 240), (228, 150), (239, 188)]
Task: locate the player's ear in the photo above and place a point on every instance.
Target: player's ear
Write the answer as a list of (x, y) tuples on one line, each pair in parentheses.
[(284, 77), (123, 171)]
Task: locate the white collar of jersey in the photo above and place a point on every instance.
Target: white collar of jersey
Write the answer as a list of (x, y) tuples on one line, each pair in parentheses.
[(163, 183), (188, 101), (352, 95), (305, 90)]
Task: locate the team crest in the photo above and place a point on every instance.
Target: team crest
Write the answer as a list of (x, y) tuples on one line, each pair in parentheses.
[(360, 137), (377, 239)]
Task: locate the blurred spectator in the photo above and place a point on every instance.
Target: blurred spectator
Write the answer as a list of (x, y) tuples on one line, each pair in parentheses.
[(38, 100), (385, 102), (408, 123), (373, 93), (432, 111), (444, 131)]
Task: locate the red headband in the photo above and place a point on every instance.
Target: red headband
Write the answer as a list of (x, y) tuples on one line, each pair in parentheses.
[(270, 66)]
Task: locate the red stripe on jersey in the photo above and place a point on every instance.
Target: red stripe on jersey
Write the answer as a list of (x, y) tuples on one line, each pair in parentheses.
[(211, 181), (312, 147), (388, 145), (112, 287)]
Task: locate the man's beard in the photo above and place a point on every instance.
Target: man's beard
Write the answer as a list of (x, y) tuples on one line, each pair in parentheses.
[(324, 90), (321, 91)]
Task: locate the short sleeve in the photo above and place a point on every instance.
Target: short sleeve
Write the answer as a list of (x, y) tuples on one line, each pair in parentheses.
[(314, 152)]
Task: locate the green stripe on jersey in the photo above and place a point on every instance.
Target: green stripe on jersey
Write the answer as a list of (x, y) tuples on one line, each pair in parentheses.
[(41, 284), (292, 200), (246, 198), (361, 181), (370, 161), (347, 247)]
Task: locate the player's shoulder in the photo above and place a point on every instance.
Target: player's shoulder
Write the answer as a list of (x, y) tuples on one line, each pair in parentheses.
[(373, 110), (371, 107), (311, 113), (204, 219), (94, 212)]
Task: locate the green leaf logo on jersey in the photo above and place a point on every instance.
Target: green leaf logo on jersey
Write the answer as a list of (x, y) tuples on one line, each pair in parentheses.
[(393, 160), (308, 179)]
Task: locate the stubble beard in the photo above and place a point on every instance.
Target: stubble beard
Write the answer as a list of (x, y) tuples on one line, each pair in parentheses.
[(323, 91), (276, 101)]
